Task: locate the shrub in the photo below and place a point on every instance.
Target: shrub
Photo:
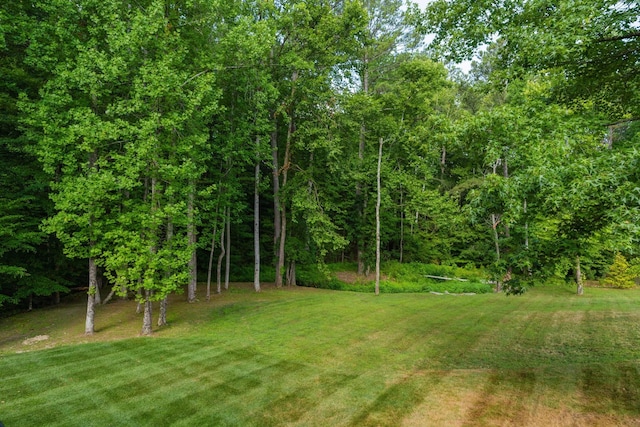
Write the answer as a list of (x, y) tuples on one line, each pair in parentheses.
[(620, 274), (314, 277)]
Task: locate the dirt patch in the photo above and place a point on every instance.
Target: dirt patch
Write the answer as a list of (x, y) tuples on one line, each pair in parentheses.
[(38, 338), (353, 278)]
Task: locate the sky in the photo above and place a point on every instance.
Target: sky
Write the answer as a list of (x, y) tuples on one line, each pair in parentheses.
[(465, 66), (421, 3)]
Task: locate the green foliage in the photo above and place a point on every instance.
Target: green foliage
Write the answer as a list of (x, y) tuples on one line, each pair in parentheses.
[(115, 115), (317, 276), (620, 274), (403, 278), (244, 273), (412, 270)]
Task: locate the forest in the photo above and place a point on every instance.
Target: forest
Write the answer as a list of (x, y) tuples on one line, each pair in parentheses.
[(151, 147)]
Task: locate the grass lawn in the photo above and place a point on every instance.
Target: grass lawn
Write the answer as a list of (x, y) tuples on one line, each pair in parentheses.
[(309, 357)]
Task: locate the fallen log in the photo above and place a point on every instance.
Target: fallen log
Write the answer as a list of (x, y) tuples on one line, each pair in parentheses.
[(445, 278)]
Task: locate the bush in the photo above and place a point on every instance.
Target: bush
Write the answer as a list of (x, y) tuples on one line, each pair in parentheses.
[(314, 277), (620, 274)]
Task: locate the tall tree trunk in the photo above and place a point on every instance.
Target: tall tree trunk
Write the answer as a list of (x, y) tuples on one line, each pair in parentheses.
[(379, 190), (109, 296), (93, 270), (359, 185), (276, 185), (579, 282), (227, 268), (148, 311), (285, 169), (211, 252), (191, 236), (275, 172), (401, 225), (291, 273), (222, 252), (256, 220), (359, 190), (283, 233), (526, 225), (98, 298), (139, 298), (162, 317), (91, 301), (495, 220), (505, 174), (124, 291)]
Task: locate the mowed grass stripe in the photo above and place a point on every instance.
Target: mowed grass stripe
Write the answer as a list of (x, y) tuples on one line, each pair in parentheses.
[(71, 366), (134, 386), (337, 358)]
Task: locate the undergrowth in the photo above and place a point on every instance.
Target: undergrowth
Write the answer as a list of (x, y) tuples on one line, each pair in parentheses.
[(399, 278)]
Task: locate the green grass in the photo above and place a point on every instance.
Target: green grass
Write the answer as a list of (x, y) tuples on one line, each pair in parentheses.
[(310, 357)]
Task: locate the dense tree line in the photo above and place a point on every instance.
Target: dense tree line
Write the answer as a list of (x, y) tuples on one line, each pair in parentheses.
[(146, 143)]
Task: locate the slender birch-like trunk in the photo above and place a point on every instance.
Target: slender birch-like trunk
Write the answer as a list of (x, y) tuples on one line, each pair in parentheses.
[(276, 185), (379, 189), (139, 298), (495, 220), (109, 296), (97, 297), (222, 252), (211, 252), (285, 168), (526, 226), (191, 235), (256, 220), (148, 312), (401, 226), (162, 317), (89, 325), (228, 251), (579, 282), (91, 302)]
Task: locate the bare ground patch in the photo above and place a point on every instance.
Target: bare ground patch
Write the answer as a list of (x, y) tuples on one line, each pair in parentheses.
[(470, 398), (353, 278)]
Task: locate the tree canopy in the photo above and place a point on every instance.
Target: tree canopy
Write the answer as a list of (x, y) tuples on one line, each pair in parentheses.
[(139, 140)]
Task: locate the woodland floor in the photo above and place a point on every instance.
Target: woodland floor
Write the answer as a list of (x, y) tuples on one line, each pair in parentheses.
[(307, 357)]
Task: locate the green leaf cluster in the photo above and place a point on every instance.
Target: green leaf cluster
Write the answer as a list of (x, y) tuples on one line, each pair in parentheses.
[(620, 274)]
